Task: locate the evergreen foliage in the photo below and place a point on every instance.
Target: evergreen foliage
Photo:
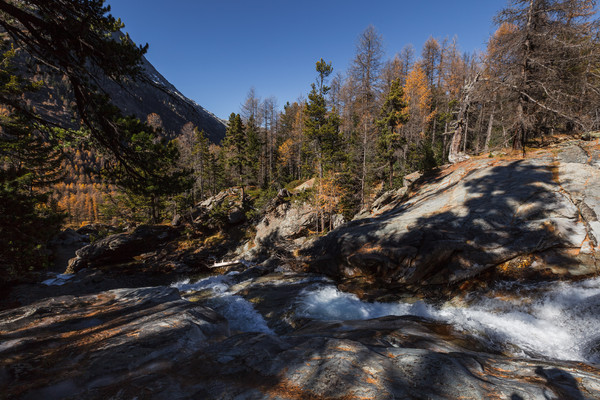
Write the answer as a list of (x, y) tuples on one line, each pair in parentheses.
[(147, 189), (253, 149), (235, 146), (78, 42), (393, 116), (321, 126), (29, 162)]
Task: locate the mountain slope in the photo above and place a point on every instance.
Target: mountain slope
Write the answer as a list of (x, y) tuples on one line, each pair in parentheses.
[(151, 93), (155, 94)]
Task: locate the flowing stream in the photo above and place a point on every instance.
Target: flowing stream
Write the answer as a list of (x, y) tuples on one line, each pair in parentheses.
[(240, 313), (555, 320)]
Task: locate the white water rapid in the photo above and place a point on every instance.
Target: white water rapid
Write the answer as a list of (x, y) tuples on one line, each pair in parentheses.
[(240, 313), (557, 320)]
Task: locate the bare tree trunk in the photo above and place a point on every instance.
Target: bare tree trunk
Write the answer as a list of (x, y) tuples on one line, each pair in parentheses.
[(445, 141), (519, 140), (364, 168), (455, 155), (433, 130), (320, 196), (488, 136), (466, 134), (478, 131)]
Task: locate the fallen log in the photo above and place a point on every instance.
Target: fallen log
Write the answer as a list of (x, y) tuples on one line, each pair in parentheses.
[(228, 264)]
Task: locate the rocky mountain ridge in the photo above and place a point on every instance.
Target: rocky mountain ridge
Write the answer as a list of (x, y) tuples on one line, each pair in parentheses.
[(150, 93)]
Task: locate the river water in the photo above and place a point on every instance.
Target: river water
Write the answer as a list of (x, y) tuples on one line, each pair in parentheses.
[(556, 320)]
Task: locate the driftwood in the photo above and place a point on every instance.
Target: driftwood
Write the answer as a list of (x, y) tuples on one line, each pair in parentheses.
[(228, 264)]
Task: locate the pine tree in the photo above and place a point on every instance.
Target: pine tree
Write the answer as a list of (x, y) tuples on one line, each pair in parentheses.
[(235, 146), (78, 40), (393, 116), (549, 52), (29, 162), (149, 187), (321, 127), (200, 154), (253, 151)]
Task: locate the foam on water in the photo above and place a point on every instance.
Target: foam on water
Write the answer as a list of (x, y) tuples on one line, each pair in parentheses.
[(328, 303), (240, 313), (218, 284), (559, 321)]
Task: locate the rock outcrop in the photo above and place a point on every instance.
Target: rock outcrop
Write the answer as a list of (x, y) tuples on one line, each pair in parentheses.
[(220, 211), (480, 214), (287, 223), (73, 347), (122, 247)]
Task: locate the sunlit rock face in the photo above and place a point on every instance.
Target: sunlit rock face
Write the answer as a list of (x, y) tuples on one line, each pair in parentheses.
[(535, 216)]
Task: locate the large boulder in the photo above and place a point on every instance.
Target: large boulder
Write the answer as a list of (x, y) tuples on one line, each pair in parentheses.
[(223, 209), (122, 247), (469, 217), (286, 221), (287, 224), (386, 202)]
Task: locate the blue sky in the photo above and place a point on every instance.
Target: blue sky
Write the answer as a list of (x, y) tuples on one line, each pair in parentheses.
[(215, 51)]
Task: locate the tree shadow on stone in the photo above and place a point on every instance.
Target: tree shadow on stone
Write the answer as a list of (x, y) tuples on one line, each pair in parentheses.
[(561, 382), (456, 230)]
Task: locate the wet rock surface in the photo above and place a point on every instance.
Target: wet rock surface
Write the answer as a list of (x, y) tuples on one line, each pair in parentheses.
[(65, 346), (475, 216), (151, 343)]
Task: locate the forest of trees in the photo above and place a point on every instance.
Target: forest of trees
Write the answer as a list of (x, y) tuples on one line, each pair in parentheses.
[(358, 132), (363, 130)]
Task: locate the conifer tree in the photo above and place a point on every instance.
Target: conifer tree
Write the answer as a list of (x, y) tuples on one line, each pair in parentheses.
[(321, 126), (365, 73), (149, 187), (550, 57), (29, 162), (200, 154), (78, 40), (393, 116), (253, 151), (236, 149)]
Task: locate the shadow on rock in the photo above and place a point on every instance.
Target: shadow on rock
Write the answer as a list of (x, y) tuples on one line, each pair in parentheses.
[(512, 215), (73, 345), (561, 382)]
